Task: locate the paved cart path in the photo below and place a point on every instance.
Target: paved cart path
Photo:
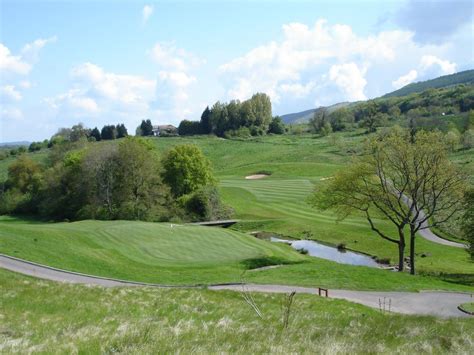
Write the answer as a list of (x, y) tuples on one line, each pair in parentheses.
[(442, 304)]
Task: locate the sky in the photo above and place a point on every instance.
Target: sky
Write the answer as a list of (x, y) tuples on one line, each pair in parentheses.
[(116, 61)]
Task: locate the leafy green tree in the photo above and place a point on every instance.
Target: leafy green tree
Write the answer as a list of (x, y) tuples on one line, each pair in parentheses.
[(24, 174), (276, 126), (79, 132), (186, 169), (319, 123), (467, 139), (189, 128), (452, 139), (340, 119), (410, 183), (142, 194)]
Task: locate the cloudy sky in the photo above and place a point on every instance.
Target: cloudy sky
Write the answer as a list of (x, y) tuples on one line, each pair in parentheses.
[(111, 61)]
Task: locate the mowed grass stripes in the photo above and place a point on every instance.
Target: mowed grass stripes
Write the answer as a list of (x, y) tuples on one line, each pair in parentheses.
[(284, 203), (140, 251)]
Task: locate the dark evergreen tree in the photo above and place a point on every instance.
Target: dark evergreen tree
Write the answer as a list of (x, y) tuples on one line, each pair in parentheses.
[(108, 132), (206, 126), (121, 131), (96, 134), (146, 128)]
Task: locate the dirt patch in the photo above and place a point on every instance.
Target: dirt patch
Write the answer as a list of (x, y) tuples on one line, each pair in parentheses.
[(256, 176)]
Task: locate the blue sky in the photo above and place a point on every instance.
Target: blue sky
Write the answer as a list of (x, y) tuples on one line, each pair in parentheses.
[(101, 62)]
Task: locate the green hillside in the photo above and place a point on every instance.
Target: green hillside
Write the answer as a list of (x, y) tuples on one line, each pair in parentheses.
[(464, 77), (305, 116)]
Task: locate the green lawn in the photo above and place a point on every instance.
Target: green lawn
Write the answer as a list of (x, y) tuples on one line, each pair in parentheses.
[(275, 204), (149, 252), (183, 255), (46, 317), (468, 307)]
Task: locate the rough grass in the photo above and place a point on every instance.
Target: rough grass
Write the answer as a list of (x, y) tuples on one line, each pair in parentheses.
[(45, 317)]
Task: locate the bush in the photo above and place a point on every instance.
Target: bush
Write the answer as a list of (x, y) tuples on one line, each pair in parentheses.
[(276, 126), (242, 132), (205, 205)]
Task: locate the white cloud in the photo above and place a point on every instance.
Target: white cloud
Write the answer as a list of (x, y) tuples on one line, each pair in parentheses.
[(25, 84), (296, 89), (12, 64), (10, 93), (446, 66), (30, 51), (99, 94), (147, 12), (405, 79), (126, 89), (168, 56), (12, 113), (174, 80), (329, 63), (350, 79), (22, 64)]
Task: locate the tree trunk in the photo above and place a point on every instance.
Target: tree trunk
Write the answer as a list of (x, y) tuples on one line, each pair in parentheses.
[(412, 251), (401, 249)]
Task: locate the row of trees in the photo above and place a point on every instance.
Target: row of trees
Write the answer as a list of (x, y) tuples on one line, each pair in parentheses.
[(426, 110), (408, 180), (79, 132), (128, 180), (252, 117)]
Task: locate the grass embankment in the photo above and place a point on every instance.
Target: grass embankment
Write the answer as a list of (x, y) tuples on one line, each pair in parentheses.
[(47, 317), (467, 307), (180, 255)]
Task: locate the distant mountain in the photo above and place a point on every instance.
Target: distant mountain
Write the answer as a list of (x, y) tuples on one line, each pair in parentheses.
[(14, 144), (304, 116), (463, 77)]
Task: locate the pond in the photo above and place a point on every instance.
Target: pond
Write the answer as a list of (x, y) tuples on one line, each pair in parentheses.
[(330, 253)]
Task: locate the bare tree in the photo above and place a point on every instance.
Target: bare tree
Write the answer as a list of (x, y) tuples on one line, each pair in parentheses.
[(410, 183)]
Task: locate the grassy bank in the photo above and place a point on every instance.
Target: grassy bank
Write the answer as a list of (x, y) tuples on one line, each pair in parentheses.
[(46, 317)]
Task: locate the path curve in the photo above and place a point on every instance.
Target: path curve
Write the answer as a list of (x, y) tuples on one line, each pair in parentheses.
[(429, 235), (426, 232), (442, 304)]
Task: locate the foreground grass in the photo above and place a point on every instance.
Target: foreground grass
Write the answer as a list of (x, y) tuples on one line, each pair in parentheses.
[(184, 255), (46, 317), (468, 307)]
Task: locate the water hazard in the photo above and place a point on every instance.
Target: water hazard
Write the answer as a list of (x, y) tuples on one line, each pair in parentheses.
[(330, 253)]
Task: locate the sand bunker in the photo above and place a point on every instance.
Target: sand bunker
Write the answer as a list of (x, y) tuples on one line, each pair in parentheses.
[(256, 176)]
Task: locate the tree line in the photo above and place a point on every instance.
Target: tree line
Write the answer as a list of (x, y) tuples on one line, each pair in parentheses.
[(127, 180), (251, 117), (445, 109)]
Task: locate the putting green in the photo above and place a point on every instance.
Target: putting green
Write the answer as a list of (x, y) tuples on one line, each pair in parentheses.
[(153, 252)]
